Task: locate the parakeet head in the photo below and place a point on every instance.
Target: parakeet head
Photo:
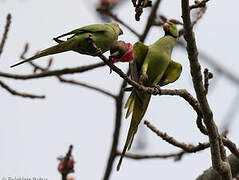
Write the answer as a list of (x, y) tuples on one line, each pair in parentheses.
[(170, 29), (121, 51), (116, 28)]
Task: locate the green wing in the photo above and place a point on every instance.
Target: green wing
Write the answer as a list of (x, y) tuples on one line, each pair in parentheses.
[(140, 52), (172, 73), (86, 29)]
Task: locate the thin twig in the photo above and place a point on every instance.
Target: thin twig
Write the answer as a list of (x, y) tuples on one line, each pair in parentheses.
[(6, 30), (176, 156), (199, 4), (174, 142), (26, 47), (118, 117), (79, 69), (200, 14), (231, 146), (150, 21), (139, 7), (116, 18), (200, 125), (207, 75), (185, 95), (71, 81), (16, 93)]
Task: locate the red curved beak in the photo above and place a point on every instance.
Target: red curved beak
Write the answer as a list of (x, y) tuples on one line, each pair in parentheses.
[(166, 27)]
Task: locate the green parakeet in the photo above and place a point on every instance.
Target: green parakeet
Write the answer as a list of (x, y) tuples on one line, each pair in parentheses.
[(152, 66), (103, 35)]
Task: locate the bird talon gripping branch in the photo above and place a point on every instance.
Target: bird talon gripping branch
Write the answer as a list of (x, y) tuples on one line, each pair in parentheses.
[(143, 78), (157, 89), (98, 51)]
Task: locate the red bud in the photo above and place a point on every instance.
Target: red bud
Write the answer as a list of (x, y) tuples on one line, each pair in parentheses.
[(69, 164)]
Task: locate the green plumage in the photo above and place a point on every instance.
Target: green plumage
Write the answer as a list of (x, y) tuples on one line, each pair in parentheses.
[(152, 66), (103, 35), (172, 73)]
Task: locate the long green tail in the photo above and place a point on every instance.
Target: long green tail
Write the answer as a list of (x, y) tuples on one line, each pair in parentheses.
[(137, 105), (62, 47)]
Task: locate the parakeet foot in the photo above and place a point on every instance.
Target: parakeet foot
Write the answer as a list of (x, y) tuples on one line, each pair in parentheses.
[(143, 78), (97, 50), (157, 89)]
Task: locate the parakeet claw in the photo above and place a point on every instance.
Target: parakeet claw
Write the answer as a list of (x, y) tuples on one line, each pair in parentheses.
[(143, 78), (157, 86), (98, 51), (157, 89)]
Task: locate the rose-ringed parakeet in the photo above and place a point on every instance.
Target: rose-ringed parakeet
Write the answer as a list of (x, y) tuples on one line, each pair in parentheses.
[(152, 66), (103, 35)]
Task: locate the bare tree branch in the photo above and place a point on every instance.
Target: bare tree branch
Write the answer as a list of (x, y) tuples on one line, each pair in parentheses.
[(211, 174), (4, 37), (71, 81), (118, 117), (200, 14), (174, 142), (79, 69), (199, 4), (200, 125), (231, 146), (176, 156), (150, 21), (16, 93), (115, 17), (217, 151)]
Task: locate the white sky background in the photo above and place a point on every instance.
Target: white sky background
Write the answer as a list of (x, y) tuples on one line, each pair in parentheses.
[(34, 132)]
